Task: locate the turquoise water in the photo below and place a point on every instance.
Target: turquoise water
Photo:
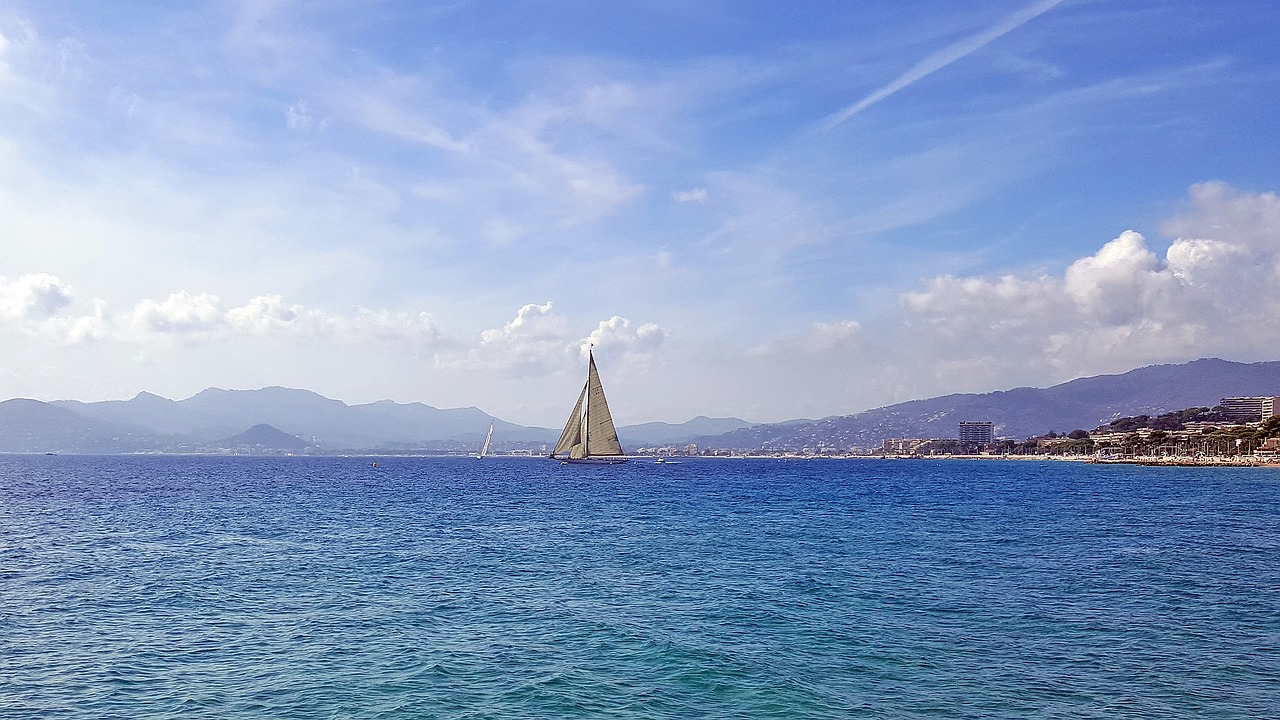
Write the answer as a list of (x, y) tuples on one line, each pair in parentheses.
[(191, 587)]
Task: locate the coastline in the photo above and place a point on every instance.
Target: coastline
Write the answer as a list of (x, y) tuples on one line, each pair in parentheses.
[(1164, 460)]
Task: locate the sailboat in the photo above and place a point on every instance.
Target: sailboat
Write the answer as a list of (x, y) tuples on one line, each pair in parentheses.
[(589, 436), (484, 449)]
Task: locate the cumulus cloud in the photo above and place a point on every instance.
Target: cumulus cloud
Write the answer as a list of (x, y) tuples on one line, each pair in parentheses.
[(33, 303), (86, 328), (180, 313), (538, 341), (535, 341), (532, 322), (1211, 288), (620, 334), (264, 314), (1215, 291), (32, 297), (204, 315)]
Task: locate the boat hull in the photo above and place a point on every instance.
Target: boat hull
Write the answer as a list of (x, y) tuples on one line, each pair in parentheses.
[(593, 461)]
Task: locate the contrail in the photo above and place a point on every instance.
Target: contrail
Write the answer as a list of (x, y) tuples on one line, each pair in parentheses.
[(943, 58)]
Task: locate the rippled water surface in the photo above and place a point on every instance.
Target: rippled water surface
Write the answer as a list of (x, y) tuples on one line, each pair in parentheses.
[(455, 588)]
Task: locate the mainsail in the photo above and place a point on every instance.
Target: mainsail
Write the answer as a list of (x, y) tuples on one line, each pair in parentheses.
[(484, 450), (589, 432)]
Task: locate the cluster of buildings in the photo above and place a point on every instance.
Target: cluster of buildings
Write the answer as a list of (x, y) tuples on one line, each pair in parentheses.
[(1231, 428), (1204, 437), (1199, 437), (973, 437)]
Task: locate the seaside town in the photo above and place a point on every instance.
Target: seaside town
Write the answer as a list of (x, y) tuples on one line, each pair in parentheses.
[(1238, 431)]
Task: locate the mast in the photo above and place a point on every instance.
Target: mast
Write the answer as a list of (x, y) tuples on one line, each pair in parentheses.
[(586, 407)]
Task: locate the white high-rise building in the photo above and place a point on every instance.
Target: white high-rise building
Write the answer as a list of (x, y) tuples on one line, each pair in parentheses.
[(976, 432), (1251, 409)]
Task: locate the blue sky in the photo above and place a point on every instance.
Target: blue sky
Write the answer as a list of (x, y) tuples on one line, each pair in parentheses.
[(762, 210)]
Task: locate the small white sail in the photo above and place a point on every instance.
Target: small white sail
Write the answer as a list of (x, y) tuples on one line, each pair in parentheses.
[(484, 450), (589, 432)]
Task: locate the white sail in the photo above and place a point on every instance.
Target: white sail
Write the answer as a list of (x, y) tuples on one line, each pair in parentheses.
[(484, 450), (589, 431)]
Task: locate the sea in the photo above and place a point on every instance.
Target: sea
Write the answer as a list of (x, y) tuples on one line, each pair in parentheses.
[(411, 587)]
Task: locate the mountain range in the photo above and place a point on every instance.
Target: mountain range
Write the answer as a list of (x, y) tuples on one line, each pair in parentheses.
[(291, 420), (1085, 403), (284, 420)]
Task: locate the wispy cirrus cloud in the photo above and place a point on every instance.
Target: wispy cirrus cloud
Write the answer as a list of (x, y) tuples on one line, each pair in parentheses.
[(943, 58), (695, 195)]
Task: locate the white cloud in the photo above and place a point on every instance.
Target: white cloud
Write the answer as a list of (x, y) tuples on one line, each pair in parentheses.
[(181, 313), (618, 333), (697, 195), (263, 315), (837, 335), (296, 116), (33, 302), (1123, 306), (269, 315), (389, 325), (943, 58), (532, 322), (4, 65), (536, 341), (32, 297), (86, 328), (385, 115), (1215, 291), (1120, 281)]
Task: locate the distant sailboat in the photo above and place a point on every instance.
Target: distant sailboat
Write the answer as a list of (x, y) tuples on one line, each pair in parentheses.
[(484, 450), (589, 436)]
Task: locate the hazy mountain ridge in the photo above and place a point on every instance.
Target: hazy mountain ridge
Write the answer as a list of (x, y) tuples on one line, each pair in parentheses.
[(325, 424), (661, 433), (213, 418), (34, 426), (216, 418), (1019, 413)]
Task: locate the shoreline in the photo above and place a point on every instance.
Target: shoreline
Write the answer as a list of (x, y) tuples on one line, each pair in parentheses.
[(1165, 460)]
